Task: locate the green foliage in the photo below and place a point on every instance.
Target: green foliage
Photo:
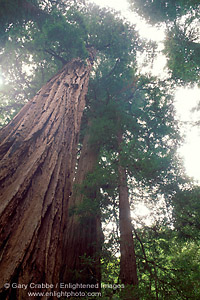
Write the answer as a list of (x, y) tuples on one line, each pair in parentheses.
[(8, 109), (16, 11), (150, 132), (104, 122), (168, 267), (186, 208), (171, 267), (183, 54), (161, 11), (109, 33), (61, 36), (182, 46)]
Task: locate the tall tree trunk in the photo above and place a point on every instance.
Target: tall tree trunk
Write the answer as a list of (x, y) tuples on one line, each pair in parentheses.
[(38, 154), (128, 268), (83, 235)]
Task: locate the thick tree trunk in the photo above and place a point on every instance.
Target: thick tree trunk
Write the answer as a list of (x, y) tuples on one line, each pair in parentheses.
[(83, 235), (38, 154), (128, 268)]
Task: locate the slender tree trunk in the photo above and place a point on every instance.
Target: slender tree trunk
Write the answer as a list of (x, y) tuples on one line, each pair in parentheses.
[(38, 154), (83, 235), (128, 268)]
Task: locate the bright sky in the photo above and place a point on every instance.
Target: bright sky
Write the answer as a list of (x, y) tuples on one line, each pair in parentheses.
[(186, 99)]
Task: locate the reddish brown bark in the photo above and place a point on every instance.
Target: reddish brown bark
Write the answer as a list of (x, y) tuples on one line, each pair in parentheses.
[(128, 268), (83, 235), (38, 154)]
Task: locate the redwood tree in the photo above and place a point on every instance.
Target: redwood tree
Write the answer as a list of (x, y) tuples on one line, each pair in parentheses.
[(38, 155), (128, 267), (83, 234)]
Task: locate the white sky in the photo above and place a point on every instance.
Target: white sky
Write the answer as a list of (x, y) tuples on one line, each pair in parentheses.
[(186, 99), (1, 79)]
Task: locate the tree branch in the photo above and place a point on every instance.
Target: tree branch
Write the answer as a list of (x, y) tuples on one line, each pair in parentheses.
[(52, 53)]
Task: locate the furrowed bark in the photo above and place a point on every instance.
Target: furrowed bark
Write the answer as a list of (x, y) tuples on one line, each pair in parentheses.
[(83, 235), (38, 155), (128, 267)]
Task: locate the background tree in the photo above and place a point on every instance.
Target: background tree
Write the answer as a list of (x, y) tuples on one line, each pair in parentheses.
[(83, 235), (147, 152)]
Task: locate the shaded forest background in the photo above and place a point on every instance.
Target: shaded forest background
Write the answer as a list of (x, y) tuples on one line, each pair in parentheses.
[(86, 136)]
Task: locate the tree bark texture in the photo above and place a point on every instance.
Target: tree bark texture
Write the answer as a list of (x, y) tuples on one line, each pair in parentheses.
[(83, 234), (128, 267), (37, 161)]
